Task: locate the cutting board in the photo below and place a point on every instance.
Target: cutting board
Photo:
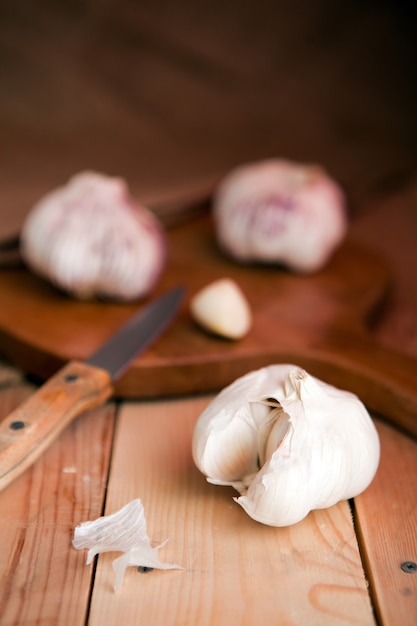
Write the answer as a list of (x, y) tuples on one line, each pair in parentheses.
[(320, 322)]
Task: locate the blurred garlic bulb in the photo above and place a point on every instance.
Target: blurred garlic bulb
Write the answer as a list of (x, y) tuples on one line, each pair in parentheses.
[(277, 211), (287, 442), (90, 238)]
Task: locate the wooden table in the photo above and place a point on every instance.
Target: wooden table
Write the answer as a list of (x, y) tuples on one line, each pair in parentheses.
[(340, 566)]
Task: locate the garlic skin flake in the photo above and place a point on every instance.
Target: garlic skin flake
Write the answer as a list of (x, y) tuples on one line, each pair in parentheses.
[(280, 212), (122, 531), (90, 238), (222, 308), (288, 442)]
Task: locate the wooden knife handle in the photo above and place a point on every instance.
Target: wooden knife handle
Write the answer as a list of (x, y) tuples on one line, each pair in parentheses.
[(35, 424)]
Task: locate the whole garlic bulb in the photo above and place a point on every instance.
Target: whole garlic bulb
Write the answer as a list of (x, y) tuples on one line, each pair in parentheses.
[(90, 238), (277, 211), (288, 442)]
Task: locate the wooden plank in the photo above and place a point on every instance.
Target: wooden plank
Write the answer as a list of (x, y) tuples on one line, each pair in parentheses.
[(42, 579), (387, 510), (236, 570), (387, 524)]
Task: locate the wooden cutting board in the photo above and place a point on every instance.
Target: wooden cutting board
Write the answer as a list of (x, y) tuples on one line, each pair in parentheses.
[(319, 322)]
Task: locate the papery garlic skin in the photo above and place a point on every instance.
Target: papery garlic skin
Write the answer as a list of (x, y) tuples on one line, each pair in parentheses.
[(118, 532), (90, 238), (288, 442), (277, 211), (123, 531)]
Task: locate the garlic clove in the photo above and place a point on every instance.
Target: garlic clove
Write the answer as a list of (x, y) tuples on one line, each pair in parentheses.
[(222, 308), (230, 436), (277, 211), (90, 238), (317, 445)]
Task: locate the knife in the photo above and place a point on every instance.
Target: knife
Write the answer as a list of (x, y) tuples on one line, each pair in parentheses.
[(77, 387)]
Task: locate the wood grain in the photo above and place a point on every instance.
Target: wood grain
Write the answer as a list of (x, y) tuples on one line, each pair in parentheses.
[(42, 579), (386, 511), (387, 522), (236, 571)]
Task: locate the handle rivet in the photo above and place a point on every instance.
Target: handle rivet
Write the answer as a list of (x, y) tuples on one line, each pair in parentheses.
[(69, 378), (409, 567), (18, 425)]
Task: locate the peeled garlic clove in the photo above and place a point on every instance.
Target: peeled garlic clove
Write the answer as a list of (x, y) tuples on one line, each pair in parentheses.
[(90, 238), (222, 308), (277, 211), (312, 444)]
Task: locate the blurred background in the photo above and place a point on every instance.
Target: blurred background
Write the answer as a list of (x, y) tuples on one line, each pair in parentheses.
[(169, 93), (172, 94)]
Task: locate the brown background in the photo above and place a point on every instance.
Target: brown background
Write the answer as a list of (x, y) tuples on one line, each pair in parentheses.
[(167, 92), (172, 95)]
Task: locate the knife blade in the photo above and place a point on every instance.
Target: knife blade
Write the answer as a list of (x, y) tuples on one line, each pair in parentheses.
[(77, 387)]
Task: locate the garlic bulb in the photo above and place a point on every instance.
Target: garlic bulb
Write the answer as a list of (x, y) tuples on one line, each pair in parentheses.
[(277, 211), (288, 442), (222, 308), (90, 238)]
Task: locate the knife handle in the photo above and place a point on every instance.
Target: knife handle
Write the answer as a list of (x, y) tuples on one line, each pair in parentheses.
[(35, 424)]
